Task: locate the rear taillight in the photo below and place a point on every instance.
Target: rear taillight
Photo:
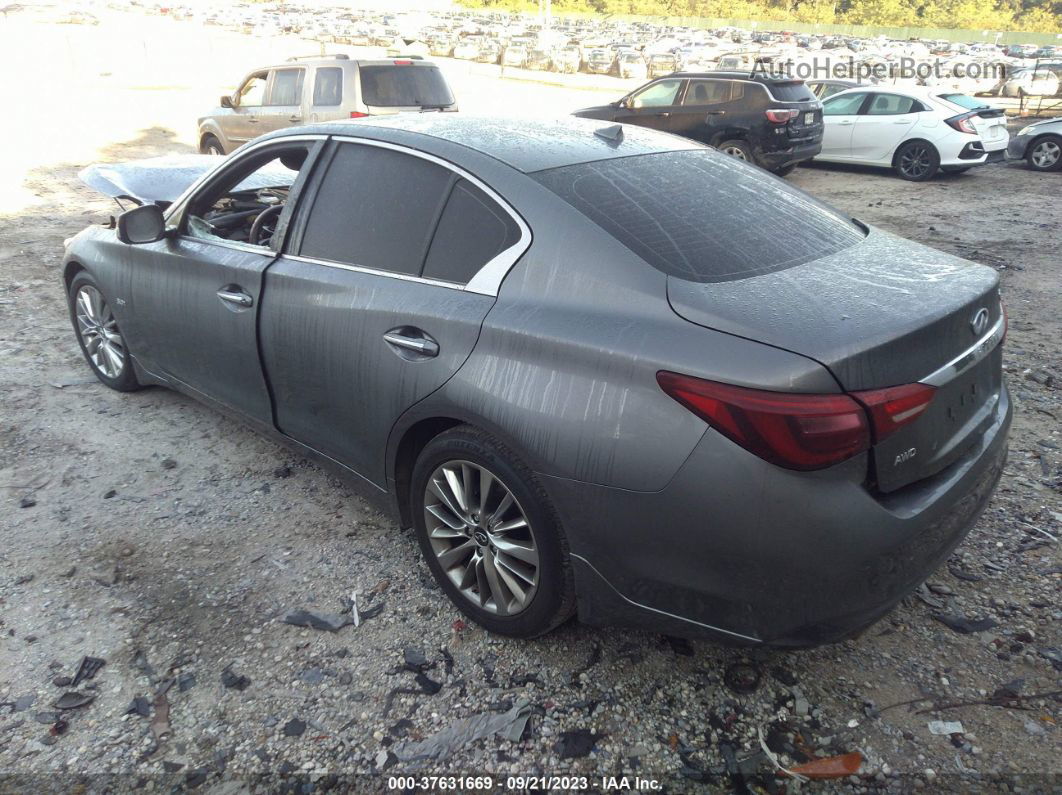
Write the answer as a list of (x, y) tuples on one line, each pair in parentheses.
[(963, 123), (892, 408), (781, 115), (794, 431), (358, 115)]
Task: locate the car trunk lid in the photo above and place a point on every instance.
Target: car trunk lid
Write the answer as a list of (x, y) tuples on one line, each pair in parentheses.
[(882, 313)]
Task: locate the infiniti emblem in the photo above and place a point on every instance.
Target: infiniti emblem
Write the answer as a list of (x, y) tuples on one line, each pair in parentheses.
[(979, 323)]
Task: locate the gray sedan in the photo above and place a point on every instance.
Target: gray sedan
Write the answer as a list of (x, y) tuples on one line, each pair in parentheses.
[(597, 369)]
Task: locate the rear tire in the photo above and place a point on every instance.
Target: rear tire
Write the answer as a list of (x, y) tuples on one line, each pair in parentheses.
[(916, 161), (471, 537), (1045, 154), (735, 147), (210, 145)]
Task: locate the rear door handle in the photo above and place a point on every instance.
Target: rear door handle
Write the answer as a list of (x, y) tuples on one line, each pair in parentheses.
[(235, 297), (294, 118), (415, 343), (845, 123), (252, 120), (715, 113)]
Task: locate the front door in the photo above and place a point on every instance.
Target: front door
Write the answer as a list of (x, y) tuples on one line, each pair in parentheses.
[(839, 114), (244, 123), (283, 106), (196, 295), (653, 105), (379, 307)]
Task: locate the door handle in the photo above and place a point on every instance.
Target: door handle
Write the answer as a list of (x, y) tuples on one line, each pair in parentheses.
[(846, 123), (294, 118), (252, 120), (715, 113), (235, 297), (423, 346)]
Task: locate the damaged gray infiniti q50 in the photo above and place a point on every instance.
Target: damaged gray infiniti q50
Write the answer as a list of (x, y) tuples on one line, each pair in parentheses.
[(598, 370)]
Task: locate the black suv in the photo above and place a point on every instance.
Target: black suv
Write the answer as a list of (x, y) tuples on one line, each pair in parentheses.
[(775, 122)]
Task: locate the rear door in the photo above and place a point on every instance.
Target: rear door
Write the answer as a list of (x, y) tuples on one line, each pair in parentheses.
[(283, 106), (839, 114), (884, 123), (327, 95), (380, 302), (707, 107)]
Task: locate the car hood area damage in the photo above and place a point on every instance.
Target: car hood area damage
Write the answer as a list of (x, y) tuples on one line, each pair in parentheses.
[(155, 179), (162, 180)]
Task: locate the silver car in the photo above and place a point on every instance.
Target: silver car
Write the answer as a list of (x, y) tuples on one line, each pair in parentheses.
[(317, 89), (597, 368)]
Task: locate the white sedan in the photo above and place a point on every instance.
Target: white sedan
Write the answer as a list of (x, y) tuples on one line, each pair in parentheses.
[(916, 131)]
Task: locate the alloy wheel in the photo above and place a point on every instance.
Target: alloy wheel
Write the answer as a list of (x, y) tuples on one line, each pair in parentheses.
[(915, 161), (99, 332), (1045, 154), (481, 537), (735, 151)]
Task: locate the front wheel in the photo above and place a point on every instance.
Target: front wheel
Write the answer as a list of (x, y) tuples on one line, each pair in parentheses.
[(1045, 154), (490, 536), (917, 161), (98, 335), (210, 145), (785, 171)]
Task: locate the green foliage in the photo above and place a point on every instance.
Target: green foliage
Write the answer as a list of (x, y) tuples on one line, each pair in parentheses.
[(1037, 16)]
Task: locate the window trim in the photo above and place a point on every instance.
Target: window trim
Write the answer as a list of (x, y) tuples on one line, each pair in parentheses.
[(486, 281)]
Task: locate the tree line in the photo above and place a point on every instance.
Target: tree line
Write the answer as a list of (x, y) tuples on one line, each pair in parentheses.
[(1034, 16)]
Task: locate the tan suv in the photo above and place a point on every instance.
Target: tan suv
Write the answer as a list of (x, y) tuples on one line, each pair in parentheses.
[(322, 88)]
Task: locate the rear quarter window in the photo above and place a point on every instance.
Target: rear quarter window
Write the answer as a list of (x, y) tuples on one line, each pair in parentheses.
[(702, 216), (472, 231)]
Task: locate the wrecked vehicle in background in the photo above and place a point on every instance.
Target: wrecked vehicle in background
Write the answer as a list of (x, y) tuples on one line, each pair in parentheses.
[(304, 90), (596, 368)]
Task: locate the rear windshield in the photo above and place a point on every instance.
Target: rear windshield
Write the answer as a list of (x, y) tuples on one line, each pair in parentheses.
[(963, 101), (791, 92), (396, 86), (702, 216)]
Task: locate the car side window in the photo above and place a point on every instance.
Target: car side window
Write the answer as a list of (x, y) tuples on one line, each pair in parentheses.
[(252, 92), (287, 87), (659, 94), (472, 231), (376, 208), (708, 92), (843, 105), (244, 205), (891, 105), (328, 86)]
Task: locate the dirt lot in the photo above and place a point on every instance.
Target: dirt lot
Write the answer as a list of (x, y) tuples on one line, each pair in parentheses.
[(163, 538)]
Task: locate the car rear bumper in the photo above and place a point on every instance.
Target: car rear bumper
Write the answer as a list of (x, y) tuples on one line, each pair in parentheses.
[(798, 153), (742, 552)]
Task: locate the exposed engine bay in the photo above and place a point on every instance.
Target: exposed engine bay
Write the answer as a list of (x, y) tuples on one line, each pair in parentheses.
[(247, 216)]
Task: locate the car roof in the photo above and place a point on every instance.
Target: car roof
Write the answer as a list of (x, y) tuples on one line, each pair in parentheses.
[(736, 74), (326, 60), (526, 144)]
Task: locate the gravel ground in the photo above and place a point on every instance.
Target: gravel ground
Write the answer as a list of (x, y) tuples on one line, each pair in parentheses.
[(153, 533)]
